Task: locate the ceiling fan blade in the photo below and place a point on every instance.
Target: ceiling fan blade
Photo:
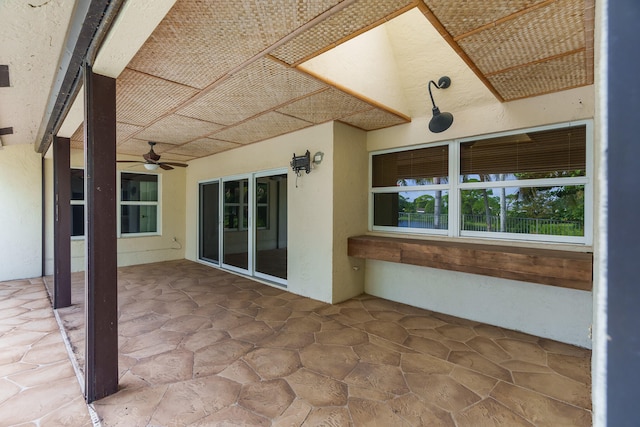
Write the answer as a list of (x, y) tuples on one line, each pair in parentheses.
[(165, 166), (182, 165), (129, 161)]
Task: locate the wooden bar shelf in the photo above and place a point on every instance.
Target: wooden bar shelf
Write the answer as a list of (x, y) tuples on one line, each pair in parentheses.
[(565, 269)]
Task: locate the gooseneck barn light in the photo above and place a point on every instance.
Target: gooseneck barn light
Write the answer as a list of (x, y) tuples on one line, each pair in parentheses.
[(440, 121)]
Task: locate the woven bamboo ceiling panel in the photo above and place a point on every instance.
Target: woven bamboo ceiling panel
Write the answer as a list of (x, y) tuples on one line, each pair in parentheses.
[(520, 48), (176, 129), (353, 19), (261, 86), (265, 126), (200, 41), (123, 132), (323, 106), (77, 139), (373, 119), (215, 75), (141, 98), (202, 147)]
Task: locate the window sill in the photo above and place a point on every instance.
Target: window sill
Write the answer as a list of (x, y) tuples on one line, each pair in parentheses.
[(562, 268)]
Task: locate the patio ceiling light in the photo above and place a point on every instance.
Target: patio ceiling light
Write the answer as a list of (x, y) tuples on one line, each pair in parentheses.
[(440, 121)]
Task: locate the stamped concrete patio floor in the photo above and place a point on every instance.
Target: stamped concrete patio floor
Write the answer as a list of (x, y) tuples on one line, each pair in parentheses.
[(200, 346), (38, 386)]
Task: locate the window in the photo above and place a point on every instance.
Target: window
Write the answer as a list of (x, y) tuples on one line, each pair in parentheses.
[(236, 204), (533, 185), (77, 202), (139, 203), (411, 189)]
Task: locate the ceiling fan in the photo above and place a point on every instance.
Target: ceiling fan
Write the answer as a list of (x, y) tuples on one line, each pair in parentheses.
[(152, 160)]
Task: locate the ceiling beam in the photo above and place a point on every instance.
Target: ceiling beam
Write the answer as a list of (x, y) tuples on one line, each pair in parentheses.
[(90, 23)]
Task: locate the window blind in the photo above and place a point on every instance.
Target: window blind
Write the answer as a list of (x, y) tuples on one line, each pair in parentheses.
[(425, 166), (558, 151)]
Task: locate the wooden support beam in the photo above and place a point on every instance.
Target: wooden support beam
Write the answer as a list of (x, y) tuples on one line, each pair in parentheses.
[(565, 269), (101, 357), (61, 223)]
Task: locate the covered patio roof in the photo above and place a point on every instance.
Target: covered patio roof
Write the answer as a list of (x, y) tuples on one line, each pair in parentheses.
[(202, 78)]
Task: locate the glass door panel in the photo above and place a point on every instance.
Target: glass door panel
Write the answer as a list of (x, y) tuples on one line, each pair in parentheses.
[(270, 203), (235, 242), (210, 222)]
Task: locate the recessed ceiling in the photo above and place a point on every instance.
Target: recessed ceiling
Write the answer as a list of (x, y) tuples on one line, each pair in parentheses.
[(215, 75)]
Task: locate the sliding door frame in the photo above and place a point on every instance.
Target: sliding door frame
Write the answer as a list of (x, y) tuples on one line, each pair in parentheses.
[(263, 174), (251, 224)]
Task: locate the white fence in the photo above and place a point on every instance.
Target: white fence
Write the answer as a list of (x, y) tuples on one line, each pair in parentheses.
[(492, 223)]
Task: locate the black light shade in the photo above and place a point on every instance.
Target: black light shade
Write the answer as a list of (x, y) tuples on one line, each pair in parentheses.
[(440, 121)]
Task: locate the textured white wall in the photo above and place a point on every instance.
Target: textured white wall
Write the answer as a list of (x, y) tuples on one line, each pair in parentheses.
[(350, 184), (574, 104), (545, 311), (366, 65), (20, 213)]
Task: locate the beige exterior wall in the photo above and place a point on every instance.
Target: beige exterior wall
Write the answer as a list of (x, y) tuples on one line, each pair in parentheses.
[(575, 104), (350, 183), (562, 314), (324, 207), (310, 241), (131, 250), (20, 212)]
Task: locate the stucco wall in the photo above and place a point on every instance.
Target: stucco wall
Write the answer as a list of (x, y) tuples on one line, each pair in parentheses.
[(309, 202), (556, 313), (547, 311), (324, 207), (21, 214), (131, 250), (350, 183)]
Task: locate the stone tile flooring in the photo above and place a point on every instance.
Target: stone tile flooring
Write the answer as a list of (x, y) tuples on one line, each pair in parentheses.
[(200, 346), (38, 386)]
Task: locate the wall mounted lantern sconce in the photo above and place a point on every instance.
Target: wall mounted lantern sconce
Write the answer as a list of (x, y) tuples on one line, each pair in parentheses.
[(440, 121), (303, 162)]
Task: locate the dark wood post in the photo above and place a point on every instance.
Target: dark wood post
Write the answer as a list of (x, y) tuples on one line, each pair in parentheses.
[(61, 223), (101, 299)]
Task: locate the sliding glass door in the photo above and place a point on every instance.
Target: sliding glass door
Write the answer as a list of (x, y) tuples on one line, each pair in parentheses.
[(271, 227), (236, 225), (243, 224), (209, 235)]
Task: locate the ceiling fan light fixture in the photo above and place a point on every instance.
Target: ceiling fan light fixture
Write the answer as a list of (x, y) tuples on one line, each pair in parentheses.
[(152, 161), (440, 121)]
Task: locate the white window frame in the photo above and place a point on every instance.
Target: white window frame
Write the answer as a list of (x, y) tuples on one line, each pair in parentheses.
[(454, 188), (157, 203), (402, 189)]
